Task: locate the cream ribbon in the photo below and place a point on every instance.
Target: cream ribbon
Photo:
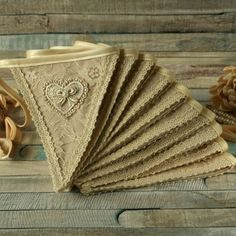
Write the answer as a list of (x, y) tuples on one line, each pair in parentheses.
[(13, 136)]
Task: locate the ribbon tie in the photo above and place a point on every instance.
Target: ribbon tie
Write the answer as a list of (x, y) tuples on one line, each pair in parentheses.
[(9, 100)]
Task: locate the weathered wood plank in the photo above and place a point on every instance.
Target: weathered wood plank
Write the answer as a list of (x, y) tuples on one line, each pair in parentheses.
[(198, 82), (58, 219), (219, 231), (217, 182), (196, 61), (15, 24), (134, 24), (202, 73), (178, 218), (24, 42), (194, 42), (116, 7), (118, 200), (29, 184), (169, 42), (71, 23), (15, 168), (194, 54)]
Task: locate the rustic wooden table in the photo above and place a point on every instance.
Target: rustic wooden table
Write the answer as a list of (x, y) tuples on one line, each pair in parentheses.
[(195, 40)]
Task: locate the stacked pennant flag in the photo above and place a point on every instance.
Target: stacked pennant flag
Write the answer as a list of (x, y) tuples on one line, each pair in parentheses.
[(111, 119)]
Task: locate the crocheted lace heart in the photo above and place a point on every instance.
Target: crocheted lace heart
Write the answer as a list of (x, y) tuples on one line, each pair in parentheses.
[(66, 97)]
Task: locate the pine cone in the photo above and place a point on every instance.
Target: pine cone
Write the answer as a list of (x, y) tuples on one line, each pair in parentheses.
[(224, 93)]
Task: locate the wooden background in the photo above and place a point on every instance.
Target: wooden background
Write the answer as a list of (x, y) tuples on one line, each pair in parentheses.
[(195, 40)]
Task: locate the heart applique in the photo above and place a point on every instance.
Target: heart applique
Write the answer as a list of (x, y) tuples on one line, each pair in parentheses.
[(66, 97)]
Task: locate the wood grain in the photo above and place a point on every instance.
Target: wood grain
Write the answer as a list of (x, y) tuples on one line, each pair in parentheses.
[(217, 231), (58, 219), (117, 7), (194, 54), (178, 218), (24, 183), (23, 24), (74, 23), (140, 23), (24, 168), (118, 200), (194, 42), (216, 182)]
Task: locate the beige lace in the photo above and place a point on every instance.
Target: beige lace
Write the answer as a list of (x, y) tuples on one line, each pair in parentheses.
[(111, 120)]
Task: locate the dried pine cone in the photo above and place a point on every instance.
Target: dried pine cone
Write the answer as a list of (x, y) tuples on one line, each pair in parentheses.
[(224, 93)]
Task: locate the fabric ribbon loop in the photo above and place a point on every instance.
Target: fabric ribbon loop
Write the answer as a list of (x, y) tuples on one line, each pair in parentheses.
[(10, 98)]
